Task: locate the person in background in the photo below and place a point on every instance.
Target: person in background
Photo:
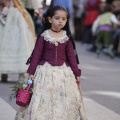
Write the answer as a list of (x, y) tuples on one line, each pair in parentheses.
[(92, 13), (34, 8), (102, 6), (31, 6), (38, 17), (17, 39), (78, 15), (55, 73), (105, 35)]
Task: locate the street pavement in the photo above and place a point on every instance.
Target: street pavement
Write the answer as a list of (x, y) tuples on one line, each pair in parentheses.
[(100, 87)]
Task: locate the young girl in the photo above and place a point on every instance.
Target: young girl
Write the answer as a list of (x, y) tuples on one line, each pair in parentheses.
[(55, 72)]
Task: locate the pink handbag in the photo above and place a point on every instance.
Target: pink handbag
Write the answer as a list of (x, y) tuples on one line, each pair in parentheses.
[(23, 97)]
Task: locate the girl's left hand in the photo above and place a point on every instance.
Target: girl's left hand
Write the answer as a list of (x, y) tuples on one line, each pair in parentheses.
[(78, 80)]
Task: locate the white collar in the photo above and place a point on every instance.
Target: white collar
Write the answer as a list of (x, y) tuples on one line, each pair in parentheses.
[(62, 39)]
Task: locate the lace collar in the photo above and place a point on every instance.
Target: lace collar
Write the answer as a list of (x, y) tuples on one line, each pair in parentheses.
[(55, 41)]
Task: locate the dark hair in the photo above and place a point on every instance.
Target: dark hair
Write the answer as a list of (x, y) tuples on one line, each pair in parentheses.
[(1, 4), (47, 25), (107, 8), (50, 13)]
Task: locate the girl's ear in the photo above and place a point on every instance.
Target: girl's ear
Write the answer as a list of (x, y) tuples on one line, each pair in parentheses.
[(50, 19)]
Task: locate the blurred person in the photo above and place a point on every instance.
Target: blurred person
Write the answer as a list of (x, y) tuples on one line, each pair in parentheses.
[(56, 75), (92, 13), (16, 40), (78, 15), (102, 6), (34, 8), (105, 35), (38, 18), (31, 6)]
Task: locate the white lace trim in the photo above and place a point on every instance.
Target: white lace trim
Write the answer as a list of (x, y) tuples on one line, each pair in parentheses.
[(62, 39)]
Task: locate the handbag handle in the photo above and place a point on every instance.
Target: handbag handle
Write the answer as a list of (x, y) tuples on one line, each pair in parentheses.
[(29, 82)]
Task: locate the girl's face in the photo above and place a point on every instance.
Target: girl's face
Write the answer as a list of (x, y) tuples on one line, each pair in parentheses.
[(59, 20)]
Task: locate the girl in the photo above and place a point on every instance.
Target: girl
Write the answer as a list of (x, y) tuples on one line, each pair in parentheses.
[(55, 72)]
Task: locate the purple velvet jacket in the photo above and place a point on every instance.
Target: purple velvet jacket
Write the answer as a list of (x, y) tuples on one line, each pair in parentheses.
[(45, 51)]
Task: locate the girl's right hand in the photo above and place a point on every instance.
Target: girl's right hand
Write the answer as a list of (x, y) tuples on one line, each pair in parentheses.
[(31, 77), (78, 80)]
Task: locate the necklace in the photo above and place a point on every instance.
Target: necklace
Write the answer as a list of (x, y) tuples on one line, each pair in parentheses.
[(55, 31), (56, 41)]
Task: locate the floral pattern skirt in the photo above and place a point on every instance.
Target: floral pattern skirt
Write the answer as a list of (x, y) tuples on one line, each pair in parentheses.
[(56, 95)]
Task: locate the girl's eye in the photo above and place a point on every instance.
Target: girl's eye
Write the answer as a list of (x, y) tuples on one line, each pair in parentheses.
[(64, 19), (56, 18)]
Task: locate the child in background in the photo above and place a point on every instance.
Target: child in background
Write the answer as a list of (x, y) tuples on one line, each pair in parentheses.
[(55, 72), (105, 35)]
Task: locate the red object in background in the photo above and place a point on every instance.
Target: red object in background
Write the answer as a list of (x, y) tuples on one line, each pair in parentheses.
[(92, 12)]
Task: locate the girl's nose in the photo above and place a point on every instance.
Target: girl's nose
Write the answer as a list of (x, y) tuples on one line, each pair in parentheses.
[(60, 20)]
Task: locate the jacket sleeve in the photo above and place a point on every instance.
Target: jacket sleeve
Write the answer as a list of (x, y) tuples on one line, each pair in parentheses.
[(71, 59), (37, 54)]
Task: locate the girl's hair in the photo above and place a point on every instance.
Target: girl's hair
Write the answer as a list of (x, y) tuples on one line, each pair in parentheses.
[(50, 13), (46, 25)]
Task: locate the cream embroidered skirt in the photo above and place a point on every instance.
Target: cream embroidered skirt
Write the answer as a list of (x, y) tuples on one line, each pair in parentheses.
[(55, 97)]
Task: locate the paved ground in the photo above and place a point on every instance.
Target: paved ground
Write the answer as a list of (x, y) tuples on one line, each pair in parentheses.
[(94, 111), (100, 82)]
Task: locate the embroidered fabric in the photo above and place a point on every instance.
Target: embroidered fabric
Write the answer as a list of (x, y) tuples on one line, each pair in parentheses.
[(55, 97), (62, 39), (15, 36)]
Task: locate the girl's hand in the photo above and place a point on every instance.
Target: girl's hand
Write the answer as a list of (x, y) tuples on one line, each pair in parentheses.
[(78, 80), (31, 77)]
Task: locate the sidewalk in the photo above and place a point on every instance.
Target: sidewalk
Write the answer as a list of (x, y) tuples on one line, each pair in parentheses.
[(94, 111), (6, 111)]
